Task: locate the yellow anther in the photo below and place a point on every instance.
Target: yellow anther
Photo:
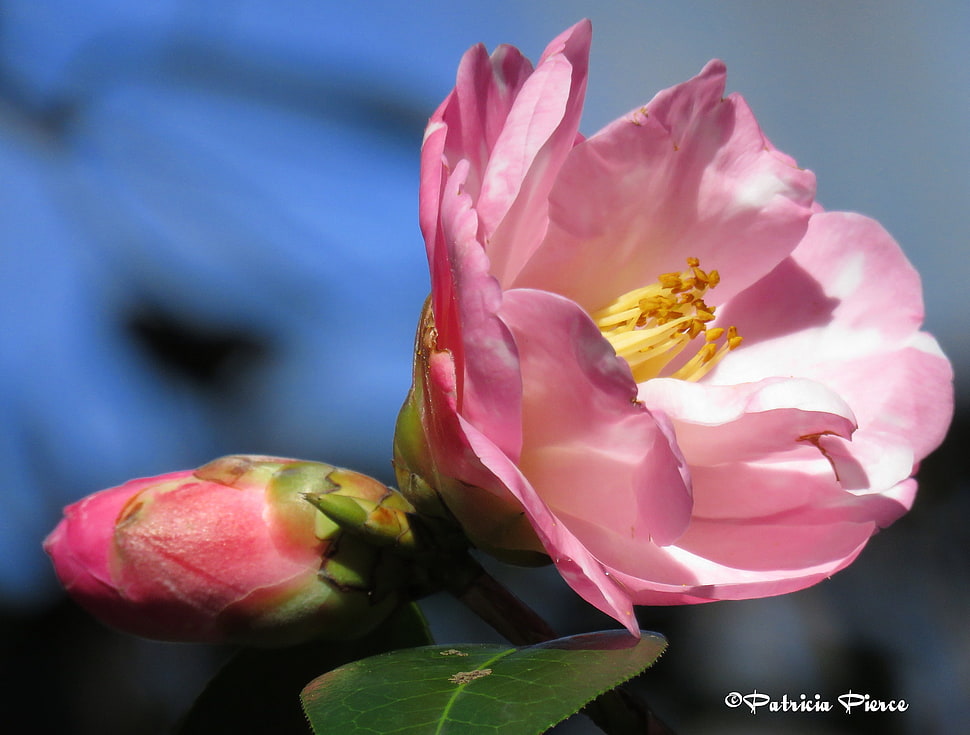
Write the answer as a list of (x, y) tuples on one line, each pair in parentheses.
[(650, 326)]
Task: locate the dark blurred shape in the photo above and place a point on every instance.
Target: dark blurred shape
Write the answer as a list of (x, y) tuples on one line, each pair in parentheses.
[(204, 356), (65, 673)]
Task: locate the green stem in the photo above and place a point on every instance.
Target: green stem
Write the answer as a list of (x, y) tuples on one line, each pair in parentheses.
[(616, 712)]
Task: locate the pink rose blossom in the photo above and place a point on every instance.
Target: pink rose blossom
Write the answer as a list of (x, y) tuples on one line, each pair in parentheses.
[(227, 553), (649, 354)]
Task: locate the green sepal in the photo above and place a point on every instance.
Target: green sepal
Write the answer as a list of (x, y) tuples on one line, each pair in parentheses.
[(380, 523)]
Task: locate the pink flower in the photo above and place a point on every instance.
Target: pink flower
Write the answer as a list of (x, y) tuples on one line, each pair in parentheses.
[(228, 553), (650, 354)]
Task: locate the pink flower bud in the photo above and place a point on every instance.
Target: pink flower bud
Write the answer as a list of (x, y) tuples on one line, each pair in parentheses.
[(228, 553)]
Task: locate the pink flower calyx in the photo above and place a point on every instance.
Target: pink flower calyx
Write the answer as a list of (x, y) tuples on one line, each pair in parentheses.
[(650, 326)]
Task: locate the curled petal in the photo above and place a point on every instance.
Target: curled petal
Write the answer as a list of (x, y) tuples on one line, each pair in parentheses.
[(725, 423)]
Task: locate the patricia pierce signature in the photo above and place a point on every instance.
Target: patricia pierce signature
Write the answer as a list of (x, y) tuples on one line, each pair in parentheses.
[(850, 702)]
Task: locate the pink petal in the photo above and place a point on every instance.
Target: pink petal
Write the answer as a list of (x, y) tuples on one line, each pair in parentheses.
[(728, 562), (581, 570), (689, 175), (765, 492), (540, 130), (475, 113), (848, 318), (81, 544), (433, 177), (749, 421), (871, 463), (590, 450), (473, 493), (491, 482), (161, 560), (820, 536), (752, 553), (815, 531), (905, 395), (464, 127), (489, 385)]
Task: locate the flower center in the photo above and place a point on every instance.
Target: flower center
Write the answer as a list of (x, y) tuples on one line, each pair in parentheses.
[(650, 326)]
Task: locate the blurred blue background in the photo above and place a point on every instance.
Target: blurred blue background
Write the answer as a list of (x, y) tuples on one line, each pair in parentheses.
[(209, 244)]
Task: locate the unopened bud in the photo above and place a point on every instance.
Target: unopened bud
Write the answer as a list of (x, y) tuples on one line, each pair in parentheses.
[(232, 552)]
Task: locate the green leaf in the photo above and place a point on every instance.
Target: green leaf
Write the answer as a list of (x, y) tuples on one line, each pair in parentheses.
[(475, 688), (257, 691)]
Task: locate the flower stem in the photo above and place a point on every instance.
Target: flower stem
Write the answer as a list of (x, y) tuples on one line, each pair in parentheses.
[(506, 613), (616, 712)]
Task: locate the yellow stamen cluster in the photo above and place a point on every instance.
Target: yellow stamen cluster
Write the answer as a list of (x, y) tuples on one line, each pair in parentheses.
[(650, 326)]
